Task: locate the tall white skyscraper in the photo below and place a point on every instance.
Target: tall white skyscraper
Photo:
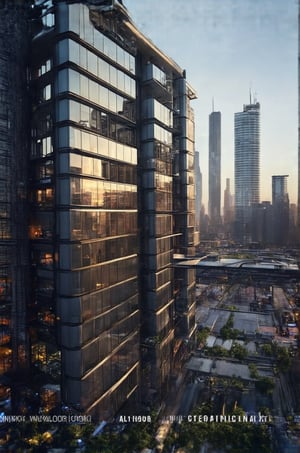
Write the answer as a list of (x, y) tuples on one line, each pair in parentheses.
[(246, 167)]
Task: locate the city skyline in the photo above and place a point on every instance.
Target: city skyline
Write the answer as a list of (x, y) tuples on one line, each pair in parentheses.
[(262, 60)]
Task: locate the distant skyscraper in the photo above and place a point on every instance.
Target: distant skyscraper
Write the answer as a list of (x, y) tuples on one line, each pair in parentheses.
[(198, 189), (246, 167), (214, 178), (228, 203), (280, 202)]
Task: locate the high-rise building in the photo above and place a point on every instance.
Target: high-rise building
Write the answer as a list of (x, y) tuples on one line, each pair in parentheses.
[(228, 215), (97, 177), (246, 167), (214, 170), (198, 188), (281, 206)]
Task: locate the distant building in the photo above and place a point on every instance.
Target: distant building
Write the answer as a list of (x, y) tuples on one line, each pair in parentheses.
[(280, 203), (246, 168), (198, 189), (262, 223), (214, 171), (228, 210)]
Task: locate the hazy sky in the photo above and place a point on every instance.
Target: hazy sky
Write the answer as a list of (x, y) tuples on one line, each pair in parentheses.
[(228, 47)]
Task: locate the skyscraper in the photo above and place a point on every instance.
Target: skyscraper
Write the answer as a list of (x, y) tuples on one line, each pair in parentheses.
[(103, 180), (228, 206), (246, 167), (214, 172), (198, 188), (281, 205)]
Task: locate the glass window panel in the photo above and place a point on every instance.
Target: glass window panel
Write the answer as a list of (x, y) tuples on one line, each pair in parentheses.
[(120, 56), (74, 52), (132, 64), (110, 48), (112, 101), (93, 143), (121, 80), (113, 75), (103, 146), (112, 149), (98, 41), (93, 91), (74, 18), (75, 138), (87, 165), (97, 167), (85, 141), (103, 96), (83, 57), (74, 82), (74, 111), (84, 87), (75, 163), (92, 63), (85, 115), (103, 70)]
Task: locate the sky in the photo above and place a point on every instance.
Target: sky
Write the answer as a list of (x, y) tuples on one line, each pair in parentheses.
[(229, 48)]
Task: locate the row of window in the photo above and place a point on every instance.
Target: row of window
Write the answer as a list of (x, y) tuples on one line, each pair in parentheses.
[(100, 380), (158, 201), (89, 224), (79, 22), (154, 131), (70, 80), (104, 322), (69, 50), (81, 255), (154, 72), (71, 137), (91, 166), (154, 109), (98, 277), (97, 120), (78, 363), (101, 194), (89, 306)]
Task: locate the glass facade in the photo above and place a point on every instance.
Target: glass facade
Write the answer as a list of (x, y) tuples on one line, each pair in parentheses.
[(84, 215), (106, 178)]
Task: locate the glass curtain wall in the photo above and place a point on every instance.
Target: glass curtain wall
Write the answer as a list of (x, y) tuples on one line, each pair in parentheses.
[(85, 217), (156, 219)]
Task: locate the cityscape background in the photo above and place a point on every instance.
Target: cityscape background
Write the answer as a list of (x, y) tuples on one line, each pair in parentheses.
[(228, 49)]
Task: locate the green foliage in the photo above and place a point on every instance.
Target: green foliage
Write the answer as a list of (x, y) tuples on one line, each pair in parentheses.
[(281, 354), (253, 371), (202, 335), (227, 331), (218, 351), (238, 351), (267, 349), (232, 437)]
